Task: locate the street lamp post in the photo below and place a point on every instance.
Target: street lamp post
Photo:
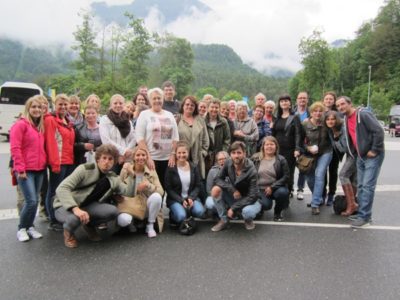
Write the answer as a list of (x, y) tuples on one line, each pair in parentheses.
[(369, 85)]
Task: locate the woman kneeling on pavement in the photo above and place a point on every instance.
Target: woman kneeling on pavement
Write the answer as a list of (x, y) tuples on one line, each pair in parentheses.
[(182, 184), (273, 177), (81, 199), (147, 188)]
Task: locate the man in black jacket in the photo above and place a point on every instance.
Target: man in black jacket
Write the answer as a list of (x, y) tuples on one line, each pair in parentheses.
[(364, 134), (235, 189)]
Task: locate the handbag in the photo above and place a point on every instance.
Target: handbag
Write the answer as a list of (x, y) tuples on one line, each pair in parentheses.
[(135, 206), (188, 226), (339, 204), (305, 163)]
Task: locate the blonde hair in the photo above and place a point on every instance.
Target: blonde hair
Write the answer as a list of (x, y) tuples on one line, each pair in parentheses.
[(92, 96), (75, 98), (61, 97), (115, 96), (27, 115), (317, 105)]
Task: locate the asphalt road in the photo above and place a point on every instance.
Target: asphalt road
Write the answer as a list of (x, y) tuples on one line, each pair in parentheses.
[(305, 257)]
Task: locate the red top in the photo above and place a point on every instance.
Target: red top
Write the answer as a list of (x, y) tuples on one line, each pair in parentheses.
[(351, 127), (60, 139)]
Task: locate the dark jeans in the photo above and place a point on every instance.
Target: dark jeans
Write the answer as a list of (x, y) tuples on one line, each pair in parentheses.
[(289, 155), (98, 213), (333, 175), (161, 169), (54, 181), (281, 197)]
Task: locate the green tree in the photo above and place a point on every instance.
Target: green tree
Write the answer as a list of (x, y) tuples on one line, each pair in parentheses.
[(176, 63), (318, 64), (207, 90), (86, 47), (135, 53), (235, 95)]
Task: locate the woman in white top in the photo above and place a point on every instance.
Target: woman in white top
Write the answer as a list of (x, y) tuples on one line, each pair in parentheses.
[(156, 131), (183, 184), (116, 129)]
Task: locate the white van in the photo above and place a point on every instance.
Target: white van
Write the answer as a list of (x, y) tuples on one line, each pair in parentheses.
[(13, 96)]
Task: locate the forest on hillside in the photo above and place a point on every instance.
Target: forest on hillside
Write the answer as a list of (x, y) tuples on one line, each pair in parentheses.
[(118, 59), (126, 58), (375, 51)]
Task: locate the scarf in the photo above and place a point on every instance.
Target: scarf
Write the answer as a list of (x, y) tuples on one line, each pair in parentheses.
[(121, 121)]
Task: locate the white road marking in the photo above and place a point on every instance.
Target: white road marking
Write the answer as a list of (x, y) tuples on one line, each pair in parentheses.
[(10, 214)]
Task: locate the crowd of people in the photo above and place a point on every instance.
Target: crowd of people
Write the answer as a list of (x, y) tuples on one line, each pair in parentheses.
[(207, 159)]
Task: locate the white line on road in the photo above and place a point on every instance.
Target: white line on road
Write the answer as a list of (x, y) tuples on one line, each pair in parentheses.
[(9, 214)]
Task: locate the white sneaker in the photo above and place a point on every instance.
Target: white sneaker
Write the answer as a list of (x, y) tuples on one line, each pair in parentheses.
[(22, 235), (300, 195), (151, 233), (33, 233)]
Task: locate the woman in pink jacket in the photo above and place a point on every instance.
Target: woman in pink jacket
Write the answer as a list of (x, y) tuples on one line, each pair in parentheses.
[(29, 156)]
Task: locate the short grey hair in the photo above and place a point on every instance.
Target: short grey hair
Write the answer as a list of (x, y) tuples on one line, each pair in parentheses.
[(155, 90), (260, 94), (346, 98), (242, 103), (271, 102)]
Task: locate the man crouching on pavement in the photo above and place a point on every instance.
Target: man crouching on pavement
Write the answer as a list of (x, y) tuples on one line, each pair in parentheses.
[(80, 198), (235, 189)]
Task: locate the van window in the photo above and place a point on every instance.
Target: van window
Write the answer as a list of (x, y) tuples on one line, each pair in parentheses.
[(16, 96)]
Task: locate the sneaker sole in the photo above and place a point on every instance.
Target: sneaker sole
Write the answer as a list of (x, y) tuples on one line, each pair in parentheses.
[(362, 226)]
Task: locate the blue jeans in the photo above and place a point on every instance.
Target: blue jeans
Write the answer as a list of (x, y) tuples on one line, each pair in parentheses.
[(210, 204), (301, 181), (178, 212), (281, 197), (249, 212), (367, 175), (54, 181), (30, 187), (316, 178)]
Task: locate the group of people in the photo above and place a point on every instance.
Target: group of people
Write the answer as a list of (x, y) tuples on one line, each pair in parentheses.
[(207, 159)]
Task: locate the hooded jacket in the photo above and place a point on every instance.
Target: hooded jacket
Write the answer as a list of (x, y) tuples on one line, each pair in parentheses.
[(369, 134), (27, 147)]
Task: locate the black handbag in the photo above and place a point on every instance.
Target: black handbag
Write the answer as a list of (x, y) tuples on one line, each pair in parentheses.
[(339, 204), (188, 226)]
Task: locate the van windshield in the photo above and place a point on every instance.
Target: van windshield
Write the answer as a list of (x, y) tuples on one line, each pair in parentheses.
[(16, 95)]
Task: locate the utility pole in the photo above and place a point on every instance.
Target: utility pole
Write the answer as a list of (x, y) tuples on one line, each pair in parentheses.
[(369, 86)]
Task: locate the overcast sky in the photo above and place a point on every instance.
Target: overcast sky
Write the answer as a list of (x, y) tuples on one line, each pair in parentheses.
[(263, 32)]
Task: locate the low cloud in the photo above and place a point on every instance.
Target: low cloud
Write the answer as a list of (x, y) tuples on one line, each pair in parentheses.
[(265, 33)]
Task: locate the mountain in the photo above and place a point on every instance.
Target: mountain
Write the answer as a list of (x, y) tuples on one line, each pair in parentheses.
[(171, 10), (219, 66), (19, 62), (339, 43), (214, 65)]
